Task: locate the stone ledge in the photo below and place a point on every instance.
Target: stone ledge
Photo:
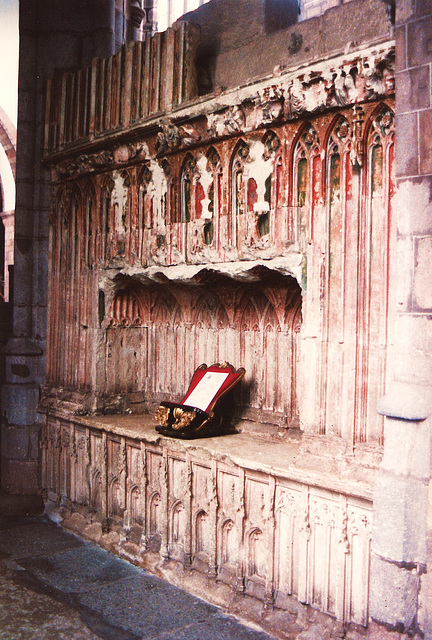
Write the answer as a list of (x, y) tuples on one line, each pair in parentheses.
[(283, 458)]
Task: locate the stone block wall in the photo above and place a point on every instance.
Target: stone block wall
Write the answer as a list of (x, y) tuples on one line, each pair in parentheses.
[(236, 46), (401, 559)]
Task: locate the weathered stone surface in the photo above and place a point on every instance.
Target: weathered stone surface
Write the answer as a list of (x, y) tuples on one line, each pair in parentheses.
[(74, 592), (406, 401), (400, 532), (407, 147), (413, 361), (406, 452), (415, 89), (20, 402), (75, 522), (425, 132), (403, 282), (241, 53), (414, 205), (394, 593), (243, 178), (381, 632), (419, 43), (422, 289), (93, 532)]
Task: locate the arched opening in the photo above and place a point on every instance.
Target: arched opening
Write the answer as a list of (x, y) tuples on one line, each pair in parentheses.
[(165, 331)]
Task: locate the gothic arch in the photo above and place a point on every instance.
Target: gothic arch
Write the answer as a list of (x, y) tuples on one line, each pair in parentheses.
[(253, 307), (114, 499), (213, 157), (145, 203), (96, 491), (375, 231), (228, 543), (255, 549), (237, 190), (214, 194), (135, 516), (201, 534), (306, 176), (176, 529), (165, 310), (209, 313), (75, 225), (154, 513), (187, 172), (126, 309)]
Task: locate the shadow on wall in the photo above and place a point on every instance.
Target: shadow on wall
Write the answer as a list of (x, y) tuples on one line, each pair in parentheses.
[(226, 25), (280, 14)]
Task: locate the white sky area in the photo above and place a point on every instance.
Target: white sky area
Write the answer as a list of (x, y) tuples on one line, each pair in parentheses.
[(9, 57), (9, 41), (169, 10)]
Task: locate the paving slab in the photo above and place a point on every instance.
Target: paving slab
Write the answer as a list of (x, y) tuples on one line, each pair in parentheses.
[(55, 586), (147, 605), (80, 568), (36, 538)]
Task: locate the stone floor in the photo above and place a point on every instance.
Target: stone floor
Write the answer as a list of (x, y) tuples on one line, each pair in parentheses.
[(54, 586)]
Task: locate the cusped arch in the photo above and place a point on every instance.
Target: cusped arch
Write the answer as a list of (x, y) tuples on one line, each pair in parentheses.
[(154, 510), (59, 205), (253, 307), (379, 151), (209, 312), (213, 158), (186, 177), (127, 308), (333, 127), (96, 490), (127, 178), (166, 310), (145, 176), (271, 142), (382, 112)]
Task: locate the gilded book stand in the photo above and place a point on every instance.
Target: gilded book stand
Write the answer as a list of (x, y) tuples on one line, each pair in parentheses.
[(201, 411)]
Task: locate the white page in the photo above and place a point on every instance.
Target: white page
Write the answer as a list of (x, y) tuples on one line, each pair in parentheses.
[(206, 389)]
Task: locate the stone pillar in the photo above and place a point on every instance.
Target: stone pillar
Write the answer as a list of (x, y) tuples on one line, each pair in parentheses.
[(149, 24), (102, 36), (137, 15), (401, 593), (53, 33)]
